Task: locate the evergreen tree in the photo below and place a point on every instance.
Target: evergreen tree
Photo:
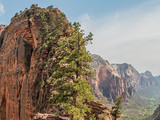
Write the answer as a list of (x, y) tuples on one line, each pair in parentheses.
[(117, 107), (71, 88), (16, 15), (50, 7)]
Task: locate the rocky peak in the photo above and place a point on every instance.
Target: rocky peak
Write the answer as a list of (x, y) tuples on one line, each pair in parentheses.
[(147, 79), (98, 61), (147, 74), (125, 69)]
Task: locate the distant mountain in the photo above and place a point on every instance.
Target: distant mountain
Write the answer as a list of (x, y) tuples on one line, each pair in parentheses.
[(130, 73), (147, 79), (136, 79), (109, 82), (113, 80), (157, 78)]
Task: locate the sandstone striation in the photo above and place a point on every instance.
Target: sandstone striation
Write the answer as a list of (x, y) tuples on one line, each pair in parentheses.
[(21, 67)]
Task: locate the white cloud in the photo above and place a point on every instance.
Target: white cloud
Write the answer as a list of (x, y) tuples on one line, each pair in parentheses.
[(1, 9), (84, 19), (128, 36)]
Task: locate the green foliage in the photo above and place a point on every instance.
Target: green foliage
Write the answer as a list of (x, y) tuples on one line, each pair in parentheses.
[(50, 7), (103, 116), (117, 107), (71, 87), (51, 27), (16, 15)]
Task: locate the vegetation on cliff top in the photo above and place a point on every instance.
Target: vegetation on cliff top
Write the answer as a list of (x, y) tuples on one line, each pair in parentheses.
[(65, 66), (117, 107), (71, 88)]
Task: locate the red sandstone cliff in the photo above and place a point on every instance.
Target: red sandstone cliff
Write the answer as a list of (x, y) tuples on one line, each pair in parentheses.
[(21, 67)]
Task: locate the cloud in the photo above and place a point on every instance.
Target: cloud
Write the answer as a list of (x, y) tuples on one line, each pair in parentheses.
[(2, 11), (85, 19), (131, 36)]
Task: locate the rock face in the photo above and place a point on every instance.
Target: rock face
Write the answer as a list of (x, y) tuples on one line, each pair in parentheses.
[(147, 79), (17, 69), (109, 82), (130, 73), (2, 28)]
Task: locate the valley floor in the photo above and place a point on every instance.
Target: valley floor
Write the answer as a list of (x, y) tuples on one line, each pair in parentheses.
[(142, 105)]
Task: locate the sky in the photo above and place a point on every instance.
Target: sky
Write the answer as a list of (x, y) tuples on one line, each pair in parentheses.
[(125, 31)]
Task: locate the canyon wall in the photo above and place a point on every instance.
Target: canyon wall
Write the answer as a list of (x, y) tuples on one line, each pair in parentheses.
[(21, 67)]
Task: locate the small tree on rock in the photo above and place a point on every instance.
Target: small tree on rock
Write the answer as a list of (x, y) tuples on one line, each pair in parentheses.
[(117, 107), (50, 7)]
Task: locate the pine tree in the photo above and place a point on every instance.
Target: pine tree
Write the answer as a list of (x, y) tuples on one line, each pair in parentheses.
[(117, 107), (71, 88), (50, 7)]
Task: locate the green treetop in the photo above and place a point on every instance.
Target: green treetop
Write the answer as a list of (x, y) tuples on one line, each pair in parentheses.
[(71, 88)]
